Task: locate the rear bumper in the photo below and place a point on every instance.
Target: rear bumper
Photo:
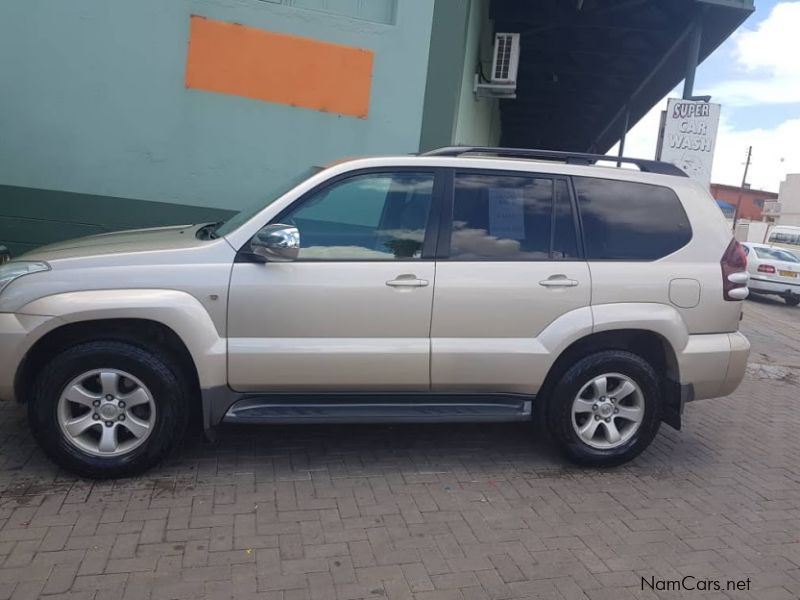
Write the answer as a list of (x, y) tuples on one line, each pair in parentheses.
[(714, 365), (768, 286)]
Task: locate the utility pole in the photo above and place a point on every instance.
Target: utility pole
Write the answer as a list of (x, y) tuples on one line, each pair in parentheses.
[(743, 188)]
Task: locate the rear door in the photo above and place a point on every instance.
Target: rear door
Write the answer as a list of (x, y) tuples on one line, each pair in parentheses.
[(509, 264)]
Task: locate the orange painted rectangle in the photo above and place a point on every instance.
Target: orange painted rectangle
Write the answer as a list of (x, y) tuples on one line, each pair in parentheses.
[(274, 67)]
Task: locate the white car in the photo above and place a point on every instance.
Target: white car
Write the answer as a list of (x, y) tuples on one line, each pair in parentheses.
[(773, 271)]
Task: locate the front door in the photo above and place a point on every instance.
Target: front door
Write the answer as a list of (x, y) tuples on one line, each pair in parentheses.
[(510, 266), (353, 313)]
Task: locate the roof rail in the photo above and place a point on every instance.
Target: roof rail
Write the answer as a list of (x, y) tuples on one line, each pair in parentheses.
[(570, 158)]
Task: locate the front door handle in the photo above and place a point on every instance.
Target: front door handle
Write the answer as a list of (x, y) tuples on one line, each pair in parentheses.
[(407, 281), (559, 281)]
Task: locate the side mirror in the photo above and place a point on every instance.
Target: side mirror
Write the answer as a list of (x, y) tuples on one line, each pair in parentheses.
[(277, 243)]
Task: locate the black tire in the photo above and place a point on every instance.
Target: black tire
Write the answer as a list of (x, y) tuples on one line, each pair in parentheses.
[(158, 373), (792, 300), (559, 413)]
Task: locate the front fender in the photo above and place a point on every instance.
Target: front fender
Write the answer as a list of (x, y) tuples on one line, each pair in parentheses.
[(179, 311)]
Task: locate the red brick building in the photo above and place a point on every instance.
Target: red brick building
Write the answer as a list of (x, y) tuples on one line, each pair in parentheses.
[(752, 201)]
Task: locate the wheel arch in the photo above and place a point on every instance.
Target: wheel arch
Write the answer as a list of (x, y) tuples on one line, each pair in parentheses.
[(145, 333), (651, 345), (175, 310)]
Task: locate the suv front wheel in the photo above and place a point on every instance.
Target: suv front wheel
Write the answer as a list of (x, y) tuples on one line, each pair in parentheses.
[(606, 409), (108, 409)]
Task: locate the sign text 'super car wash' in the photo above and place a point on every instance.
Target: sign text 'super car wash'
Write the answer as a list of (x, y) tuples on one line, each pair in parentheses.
[(689, 137)]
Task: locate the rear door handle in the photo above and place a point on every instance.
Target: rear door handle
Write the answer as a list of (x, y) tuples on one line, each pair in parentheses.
[(407, 281), (559, 281)]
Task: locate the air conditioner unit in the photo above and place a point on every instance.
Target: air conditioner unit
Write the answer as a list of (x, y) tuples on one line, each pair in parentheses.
[(505, 65)]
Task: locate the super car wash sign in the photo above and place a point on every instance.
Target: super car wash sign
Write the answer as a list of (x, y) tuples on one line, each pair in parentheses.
[(690, 137)]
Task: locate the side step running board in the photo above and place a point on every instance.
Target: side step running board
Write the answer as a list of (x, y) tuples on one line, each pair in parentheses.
[(266, 410)]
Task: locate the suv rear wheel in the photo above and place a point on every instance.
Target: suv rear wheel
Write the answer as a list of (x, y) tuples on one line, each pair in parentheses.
[(606, 409), (108, 409)]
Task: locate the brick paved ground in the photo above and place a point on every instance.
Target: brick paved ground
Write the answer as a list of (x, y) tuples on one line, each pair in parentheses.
[(434, 512)]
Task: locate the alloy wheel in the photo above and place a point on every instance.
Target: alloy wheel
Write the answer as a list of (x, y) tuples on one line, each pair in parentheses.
[(608, 411), (106, 412)]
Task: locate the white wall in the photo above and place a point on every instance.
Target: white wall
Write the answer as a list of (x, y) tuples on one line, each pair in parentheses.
[(789, 198), (752, 231)]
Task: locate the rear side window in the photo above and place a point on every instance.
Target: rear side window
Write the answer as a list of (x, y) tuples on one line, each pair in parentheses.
[(630, 221)]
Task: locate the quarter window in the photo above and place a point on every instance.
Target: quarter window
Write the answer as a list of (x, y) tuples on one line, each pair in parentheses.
[(508, 217), (630, 221), (377, 216)]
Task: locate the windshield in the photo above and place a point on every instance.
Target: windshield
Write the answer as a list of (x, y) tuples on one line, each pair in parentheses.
[(776, 254), (248, 213)]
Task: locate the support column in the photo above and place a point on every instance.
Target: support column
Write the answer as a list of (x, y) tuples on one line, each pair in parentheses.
[(693, 58), (625, 126)]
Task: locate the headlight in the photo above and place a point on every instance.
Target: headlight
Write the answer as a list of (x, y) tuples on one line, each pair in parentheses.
[(11, 271)]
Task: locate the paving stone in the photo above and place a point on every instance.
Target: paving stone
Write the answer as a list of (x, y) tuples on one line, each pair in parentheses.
[(434, 512)]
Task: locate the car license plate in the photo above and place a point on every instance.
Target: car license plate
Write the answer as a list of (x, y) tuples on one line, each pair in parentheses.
[(787, 273)]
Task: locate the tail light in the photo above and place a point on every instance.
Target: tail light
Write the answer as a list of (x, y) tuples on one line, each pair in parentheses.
[(734, 272), (766, 269)]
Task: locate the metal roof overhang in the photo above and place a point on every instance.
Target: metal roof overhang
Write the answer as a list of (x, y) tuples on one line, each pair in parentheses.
[(584, 62)]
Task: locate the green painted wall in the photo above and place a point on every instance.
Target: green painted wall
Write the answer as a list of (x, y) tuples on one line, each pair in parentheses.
[(445, 73), (478, 120), (92, 102), (32, 217)]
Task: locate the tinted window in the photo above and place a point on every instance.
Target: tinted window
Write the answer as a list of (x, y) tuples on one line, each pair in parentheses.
[(630, 221), (565, 239), (379, 216), (499, 217), (785, 238)]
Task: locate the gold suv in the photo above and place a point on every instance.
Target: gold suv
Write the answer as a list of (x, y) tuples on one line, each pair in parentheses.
[(468, 284)]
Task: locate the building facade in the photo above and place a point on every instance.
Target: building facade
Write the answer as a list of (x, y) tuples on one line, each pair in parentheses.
[(786, 210), (750, 202), (132, 114)]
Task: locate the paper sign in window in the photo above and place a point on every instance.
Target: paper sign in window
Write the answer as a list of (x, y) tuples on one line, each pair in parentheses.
[(507, 213)]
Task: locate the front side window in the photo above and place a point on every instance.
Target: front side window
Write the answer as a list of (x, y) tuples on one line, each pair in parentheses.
[(501, 217), (623, 220), (376, 216)]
